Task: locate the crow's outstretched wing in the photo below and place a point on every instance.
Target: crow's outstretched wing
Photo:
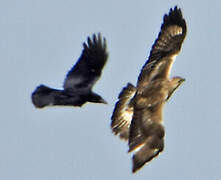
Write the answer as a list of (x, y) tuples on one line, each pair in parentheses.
[(165, 48), (89, 66)]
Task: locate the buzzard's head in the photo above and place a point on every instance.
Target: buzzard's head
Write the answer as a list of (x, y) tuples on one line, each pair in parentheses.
[(176, 82)]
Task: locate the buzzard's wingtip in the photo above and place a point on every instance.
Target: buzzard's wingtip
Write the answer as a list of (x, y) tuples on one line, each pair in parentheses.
[(174, 17), (136, 165), (134, 170)]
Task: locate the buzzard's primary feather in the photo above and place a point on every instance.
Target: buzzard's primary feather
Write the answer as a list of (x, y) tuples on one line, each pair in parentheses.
[(80, 79), (143, 126)]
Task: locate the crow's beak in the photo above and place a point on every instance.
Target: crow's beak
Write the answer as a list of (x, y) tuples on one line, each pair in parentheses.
[(103, 101)]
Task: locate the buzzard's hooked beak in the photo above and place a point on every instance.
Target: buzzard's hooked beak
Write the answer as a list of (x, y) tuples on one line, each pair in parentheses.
[(182, 80)]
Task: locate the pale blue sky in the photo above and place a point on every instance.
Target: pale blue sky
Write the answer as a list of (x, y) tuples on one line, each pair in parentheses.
[(40, 42)]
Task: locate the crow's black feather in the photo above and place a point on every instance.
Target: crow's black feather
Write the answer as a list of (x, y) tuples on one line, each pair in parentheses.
[(80, 79)]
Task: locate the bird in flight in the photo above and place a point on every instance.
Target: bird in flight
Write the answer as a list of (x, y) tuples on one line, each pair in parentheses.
[(137, 116), (78, 84)]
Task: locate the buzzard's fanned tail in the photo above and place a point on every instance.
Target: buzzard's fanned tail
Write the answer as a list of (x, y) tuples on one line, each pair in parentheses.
[(123, 112)]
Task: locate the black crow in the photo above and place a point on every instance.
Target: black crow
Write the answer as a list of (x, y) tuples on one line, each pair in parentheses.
[(80, 79)]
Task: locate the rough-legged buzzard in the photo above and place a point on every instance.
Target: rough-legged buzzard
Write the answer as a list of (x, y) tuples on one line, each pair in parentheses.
[(137, 116)]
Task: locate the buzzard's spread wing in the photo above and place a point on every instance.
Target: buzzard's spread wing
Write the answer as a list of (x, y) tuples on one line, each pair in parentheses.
[(146, 135), (165, 47), (88, 68), (123, 112)]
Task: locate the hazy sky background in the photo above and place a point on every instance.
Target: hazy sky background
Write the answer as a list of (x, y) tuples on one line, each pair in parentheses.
[(41, 40)]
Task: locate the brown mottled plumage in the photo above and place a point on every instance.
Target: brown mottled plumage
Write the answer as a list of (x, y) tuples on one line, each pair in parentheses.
[(137, 116)]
